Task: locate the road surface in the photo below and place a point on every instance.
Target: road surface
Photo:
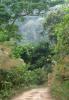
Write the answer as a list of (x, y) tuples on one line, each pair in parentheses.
[(35, 94)]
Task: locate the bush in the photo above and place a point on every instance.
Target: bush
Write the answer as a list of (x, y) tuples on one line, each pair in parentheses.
[(24, 52), (38, 56), (19, 77), (3, 36)]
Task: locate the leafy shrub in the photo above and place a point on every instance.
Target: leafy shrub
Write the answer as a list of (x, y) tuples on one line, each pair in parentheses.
[(25, 52), (60, 82), (3, 36), (38, 56), (19, 77)]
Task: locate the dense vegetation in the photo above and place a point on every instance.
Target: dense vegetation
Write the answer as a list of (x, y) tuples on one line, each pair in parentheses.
[(35, 61), (62, 67), (60, 33)]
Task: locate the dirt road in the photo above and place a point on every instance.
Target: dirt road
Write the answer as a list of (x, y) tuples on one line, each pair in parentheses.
[(35, 94)]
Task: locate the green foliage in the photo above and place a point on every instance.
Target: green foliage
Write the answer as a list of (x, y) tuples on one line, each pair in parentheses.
[(62, 33), (25, 52), (19, 77), (9, 32), (4, 15), (36, 77), (12, 32), (38, 56), (61, 49), (41, 56), (6, 31), (3, 36), (53, 18), (17, 7)]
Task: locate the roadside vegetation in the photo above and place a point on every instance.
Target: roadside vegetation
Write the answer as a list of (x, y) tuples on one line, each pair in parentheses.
[(59, 33)]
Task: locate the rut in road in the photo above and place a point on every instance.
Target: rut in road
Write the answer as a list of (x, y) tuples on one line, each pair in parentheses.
[(35, 94)]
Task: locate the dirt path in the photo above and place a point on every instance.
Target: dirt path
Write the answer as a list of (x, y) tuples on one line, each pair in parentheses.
[(35, 94)]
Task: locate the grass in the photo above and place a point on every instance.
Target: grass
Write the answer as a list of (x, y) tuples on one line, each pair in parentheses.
[(60, 91), (60, 80)]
